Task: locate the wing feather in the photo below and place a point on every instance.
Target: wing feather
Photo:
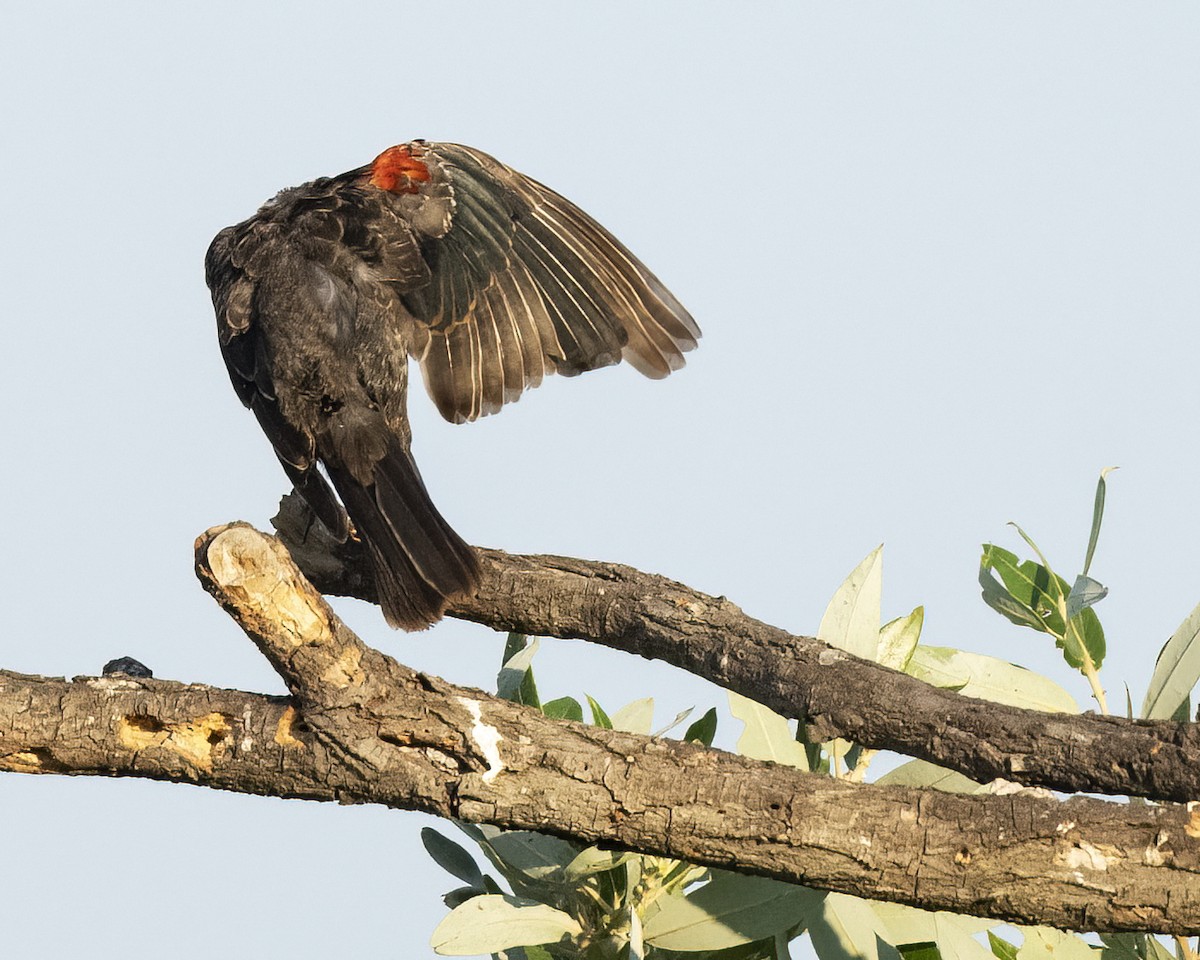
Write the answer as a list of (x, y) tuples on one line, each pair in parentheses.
[(588, 341), (656, 332), (516, 296), (524, 283), (497, 368)]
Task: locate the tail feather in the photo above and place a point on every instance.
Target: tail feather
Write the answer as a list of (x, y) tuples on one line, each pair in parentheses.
[(419, 562)]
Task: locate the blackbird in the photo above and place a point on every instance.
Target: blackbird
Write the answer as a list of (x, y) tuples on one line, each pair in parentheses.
[(437, 251)]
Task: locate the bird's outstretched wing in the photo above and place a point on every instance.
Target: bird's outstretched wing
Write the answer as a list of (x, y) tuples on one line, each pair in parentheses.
[(524, 283)]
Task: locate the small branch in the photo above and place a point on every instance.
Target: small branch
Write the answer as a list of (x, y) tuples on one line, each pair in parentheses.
[(799, 677)]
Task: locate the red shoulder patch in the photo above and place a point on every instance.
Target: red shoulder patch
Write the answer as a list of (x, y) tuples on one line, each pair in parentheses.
[(399, 170)]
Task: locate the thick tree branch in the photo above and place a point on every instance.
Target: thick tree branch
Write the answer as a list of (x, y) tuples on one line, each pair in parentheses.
[(800, 677), (363, 728)]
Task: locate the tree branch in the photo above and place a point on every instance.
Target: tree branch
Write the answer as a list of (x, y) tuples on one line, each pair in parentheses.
[(364, 729), (837, 694)]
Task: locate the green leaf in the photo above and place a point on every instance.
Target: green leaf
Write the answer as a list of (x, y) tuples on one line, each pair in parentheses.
[(535, 855), (953, 933), (851, 621), (564, 708), (848, 928), (451, 857), (1156, 951), (635, 717), (1033, 546), (633, 873), (767, 735), (730, 909), (1123, 946), (1086, 627), (925, 950), (937, 667), (898, 639), (1086, 592), (998, 595), (479, 832), (1097, 516), (517, 668), (813, 755), (907, 924), (637, 941), (491, 886), (1176, 672), (460, 895), (1039, 600), (514, 643), (492, 923), (1027, 594), (528, 952), (1080, 637), (599, 717), (989, 678), (1001, 948), (922, 773), (528, 861), (1046, 943), (679, 718), (704, 729), (593, 860), (528, 694)]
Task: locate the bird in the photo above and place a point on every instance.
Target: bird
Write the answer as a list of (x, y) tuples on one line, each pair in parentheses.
[(437, 251)]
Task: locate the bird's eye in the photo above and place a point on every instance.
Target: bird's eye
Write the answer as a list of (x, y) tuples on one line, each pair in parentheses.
[(329, 405)]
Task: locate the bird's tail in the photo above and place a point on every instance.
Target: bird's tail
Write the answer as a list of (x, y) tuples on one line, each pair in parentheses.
[(419, 562)]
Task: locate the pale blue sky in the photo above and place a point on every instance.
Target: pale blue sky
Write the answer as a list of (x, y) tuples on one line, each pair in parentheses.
[(944, 256)]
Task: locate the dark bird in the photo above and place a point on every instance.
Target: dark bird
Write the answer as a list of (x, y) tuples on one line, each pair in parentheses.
[(436, 251)]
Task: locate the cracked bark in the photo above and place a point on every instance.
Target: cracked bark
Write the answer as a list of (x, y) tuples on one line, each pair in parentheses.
[(796, 676), (362, 728)]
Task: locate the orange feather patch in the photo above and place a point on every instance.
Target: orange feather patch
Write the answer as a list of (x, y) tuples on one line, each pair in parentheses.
[(398, 170)]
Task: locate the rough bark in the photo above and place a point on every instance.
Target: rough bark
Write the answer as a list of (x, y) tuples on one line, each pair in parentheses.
[(800, 677), (362, 728)]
